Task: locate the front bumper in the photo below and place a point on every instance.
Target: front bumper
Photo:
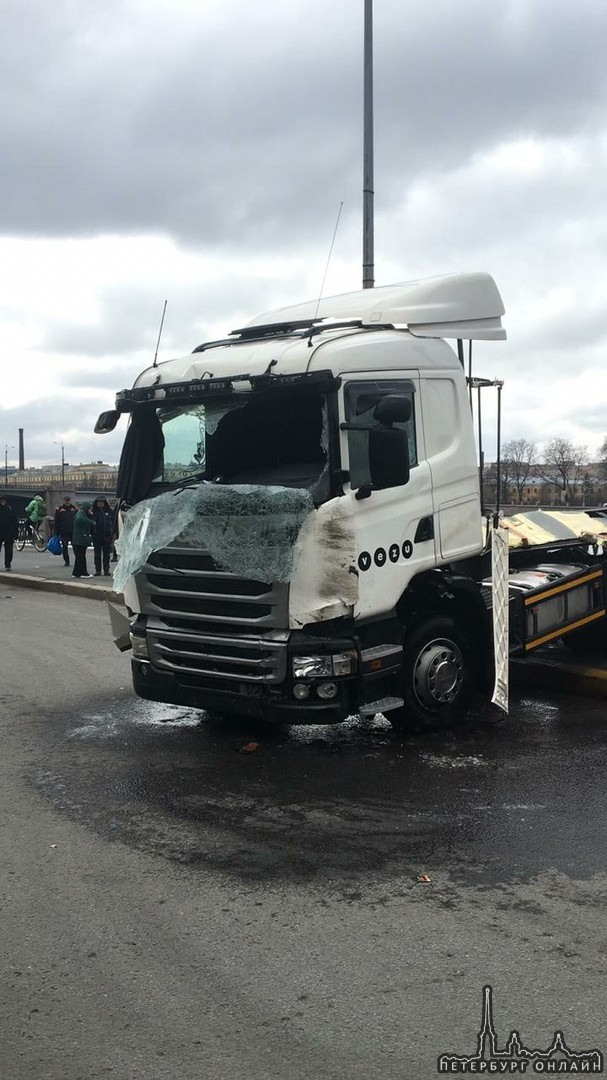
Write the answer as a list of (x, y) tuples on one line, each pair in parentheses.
[(261, 694), (270, 704)]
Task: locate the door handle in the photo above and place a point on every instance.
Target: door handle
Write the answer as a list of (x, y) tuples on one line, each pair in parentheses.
[(424, 531)]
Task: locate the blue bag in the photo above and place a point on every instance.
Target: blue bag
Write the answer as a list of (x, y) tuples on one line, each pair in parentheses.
[(54, 546)]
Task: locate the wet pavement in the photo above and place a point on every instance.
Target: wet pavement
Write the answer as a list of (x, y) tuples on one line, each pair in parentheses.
[(493, 803)]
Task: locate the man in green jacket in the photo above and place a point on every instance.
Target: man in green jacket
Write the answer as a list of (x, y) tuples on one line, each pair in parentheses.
[(82, 537), (36, 510)]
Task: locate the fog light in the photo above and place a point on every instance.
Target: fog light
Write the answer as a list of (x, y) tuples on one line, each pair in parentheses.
[(326, 690), (140, 646), (301, 691)]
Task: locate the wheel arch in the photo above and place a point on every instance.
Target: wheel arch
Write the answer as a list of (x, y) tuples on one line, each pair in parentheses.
[(445, 592)]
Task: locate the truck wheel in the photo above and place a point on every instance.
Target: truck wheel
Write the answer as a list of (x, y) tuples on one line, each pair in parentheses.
[(438, 676)]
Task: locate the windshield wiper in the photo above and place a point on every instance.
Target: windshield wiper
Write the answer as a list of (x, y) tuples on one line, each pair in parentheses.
[(193, 479)]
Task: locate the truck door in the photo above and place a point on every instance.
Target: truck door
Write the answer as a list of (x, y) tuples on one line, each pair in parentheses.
[(394, 526)]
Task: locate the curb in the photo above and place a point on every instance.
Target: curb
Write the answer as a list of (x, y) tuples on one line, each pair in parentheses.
[(74, 588), (566, 678)]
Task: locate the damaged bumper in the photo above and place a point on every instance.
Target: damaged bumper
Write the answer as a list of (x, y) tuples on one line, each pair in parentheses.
[(322, 681)]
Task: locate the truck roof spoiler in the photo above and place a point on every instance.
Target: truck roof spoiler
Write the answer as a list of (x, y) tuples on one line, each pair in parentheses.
[(465, 306)]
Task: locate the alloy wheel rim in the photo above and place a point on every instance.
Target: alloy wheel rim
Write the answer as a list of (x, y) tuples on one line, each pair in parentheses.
[(438, 673)]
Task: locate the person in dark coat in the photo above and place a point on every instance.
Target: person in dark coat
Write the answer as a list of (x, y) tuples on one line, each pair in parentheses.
[(9, 528), (103, 519), (64, 526), (82, 537)]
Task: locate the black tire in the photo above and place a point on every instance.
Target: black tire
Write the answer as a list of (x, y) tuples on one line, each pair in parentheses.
[(20, 541), (39, 541), (439, 676)]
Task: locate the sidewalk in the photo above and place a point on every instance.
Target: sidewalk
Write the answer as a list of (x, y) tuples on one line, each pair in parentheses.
[(40, 570)]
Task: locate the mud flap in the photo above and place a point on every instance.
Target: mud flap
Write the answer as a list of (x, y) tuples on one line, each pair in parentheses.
[(499, 577)]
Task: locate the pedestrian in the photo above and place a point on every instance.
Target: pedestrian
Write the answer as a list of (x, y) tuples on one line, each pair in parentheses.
[(9, 528), (82, 536), (64, 526), (36, 511), (102, 535)]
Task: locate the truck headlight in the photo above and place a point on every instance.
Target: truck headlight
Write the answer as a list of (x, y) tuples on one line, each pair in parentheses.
[(310, 667), (322, 667)]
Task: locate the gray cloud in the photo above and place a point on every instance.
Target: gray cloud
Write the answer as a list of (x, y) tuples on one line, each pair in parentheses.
[(236, 130), (228, 130), (68, 416)]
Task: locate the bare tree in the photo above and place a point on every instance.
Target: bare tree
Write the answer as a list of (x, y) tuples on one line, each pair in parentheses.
[(603, 457), (517, 460), (564, 466)]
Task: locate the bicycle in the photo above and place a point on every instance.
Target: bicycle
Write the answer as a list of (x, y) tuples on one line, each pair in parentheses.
[(29, 532)]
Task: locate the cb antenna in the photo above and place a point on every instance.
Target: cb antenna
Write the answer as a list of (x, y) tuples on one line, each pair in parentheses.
[(155, 364), (322, 287)]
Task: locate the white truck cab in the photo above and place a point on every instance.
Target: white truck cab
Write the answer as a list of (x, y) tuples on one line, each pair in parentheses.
[(303, 536)]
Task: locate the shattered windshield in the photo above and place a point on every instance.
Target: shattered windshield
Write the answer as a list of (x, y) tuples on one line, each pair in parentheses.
[(261, 439), (246, 531)]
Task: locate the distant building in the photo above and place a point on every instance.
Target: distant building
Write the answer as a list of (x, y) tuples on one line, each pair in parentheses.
[(591, 490), (94, 474)]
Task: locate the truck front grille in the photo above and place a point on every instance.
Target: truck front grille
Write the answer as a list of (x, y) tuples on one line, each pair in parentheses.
[(202, 621)]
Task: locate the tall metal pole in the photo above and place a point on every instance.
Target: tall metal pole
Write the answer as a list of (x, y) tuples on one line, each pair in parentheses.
[(499, 448), (480, 451), (368, 192), (6, 450), (62, 466)]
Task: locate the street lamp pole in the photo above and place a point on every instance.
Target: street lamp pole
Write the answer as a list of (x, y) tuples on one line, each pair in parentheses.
[(6, 450), (62, 462), (368, 181)]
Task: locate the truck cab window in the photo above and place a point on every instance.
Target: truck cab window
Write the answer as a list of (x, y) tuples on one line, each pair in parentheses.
[(361, 399), (184, 444), (268, 439)]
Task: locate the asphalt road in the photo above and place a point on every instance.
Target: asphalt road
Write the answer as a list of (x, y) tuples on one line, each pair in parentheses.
[(171, 907)]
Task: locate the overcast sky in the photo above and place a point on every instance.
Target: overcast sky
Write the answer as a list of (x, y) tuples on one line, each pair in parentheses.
[(198, 151)]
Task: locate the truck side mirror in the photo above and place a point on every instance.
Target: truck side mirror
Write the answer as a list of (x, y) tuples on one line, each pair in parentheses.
[(388, 457), (389, 446), (107, 422)]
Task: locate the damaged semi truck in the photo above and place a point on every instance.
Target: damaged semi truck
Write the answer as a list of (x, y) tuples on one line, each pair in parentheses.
[(301, 528)]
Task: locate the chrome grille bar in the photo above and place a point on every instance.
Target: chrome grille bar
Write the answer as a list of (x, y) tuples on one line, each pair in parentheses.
[(187, 653), (242, 621)]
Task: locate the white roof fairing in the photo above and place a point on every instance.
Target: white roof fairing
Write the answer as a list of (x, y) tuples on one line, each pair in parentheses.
[(466, 306), (454, 305)]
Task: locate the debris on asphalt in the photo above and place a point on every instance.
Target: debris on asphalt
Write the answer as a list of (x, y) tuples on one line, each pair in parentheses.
[(424, 879), (249, 748)]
